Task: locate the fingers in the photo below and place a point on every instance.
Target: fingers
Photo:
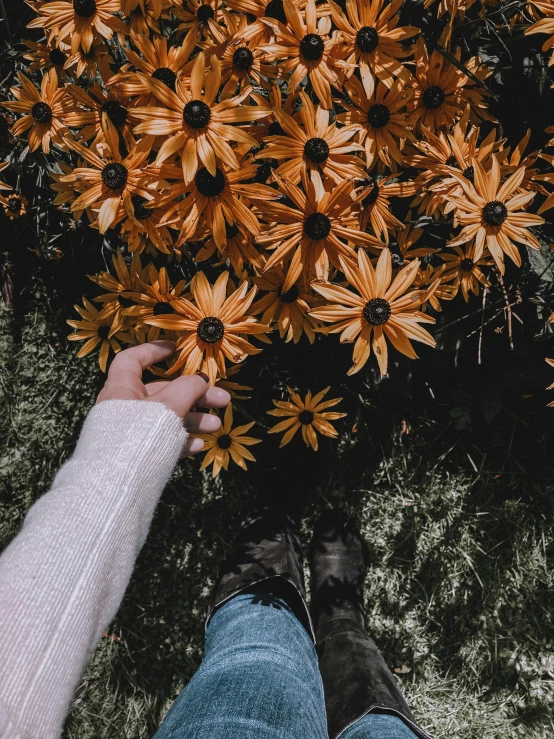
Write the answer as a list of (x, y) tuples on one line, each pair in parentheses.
[(201, 423), (124, 380), (215, 397), (193, 446), (184, 392)]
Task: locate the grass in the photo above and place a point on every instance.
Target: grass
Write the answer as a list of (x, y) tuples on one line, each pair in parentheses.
[(461, 588)]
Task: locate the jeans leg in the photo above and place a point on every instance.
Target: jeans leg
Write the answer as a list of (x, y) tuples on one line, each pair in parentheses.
[(259, 678), (378, 726)]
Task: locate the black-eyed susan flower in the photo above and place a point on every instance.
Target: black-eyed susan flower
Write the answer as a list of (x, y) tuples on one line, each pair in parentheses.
[(195, 125), (96, 327), (310, 414), (78, 20), (142, 16), (44, 111), (228, 443), (303, 48), (317, 146), (313, 234), (96, 60), (212, 327), (243, 63), (373, 199), (464, 272), (491, 214), (381, 120), (203, 19), (288, 309), (371, 40), (127, 279), (15, 205), (110, 181), (381, 308), (45, 56)]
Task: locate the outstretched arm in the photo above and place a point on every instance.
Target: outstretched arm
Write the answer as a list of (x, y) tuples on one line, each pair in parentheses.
[(63, 577)]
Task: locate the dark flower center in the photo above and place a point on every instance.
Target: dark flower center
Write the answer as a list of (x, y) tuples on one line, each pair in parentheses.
[(306, 417), (114, 176), (316, 150), (275, 129), (317, 226), (243, 58), (141, 212), (115, 112), (495, 213), (103, 332), (57, 57), (124, 302), (41, 112), (231, 230), (14, 205), (165, 75), (290, 295), (210, 330), (367, 39), (433, 97), (311, 47), (208, 184), (469, 173), (378, 115), (224, 441), (204, 13), (84, 8), (162, 308), (466, 265), (372, 195), (197, 114), (377, 311), (452, 162), (275, 9)]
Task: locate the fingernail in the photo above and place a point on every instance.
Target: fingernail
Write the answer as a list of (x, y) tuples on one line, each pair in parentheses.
[(204, 376)]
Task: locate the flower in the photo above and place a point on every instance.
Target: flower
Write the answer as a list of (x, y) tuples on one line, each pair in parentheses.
[(44, 111), (464, 272), (201, 19), (491, 214), (383, 306), (306, 47), (380, 119), (211, 326), (227, 443), (46, 56), (195, 124), (371, 40), (308, 414), (430, 280), (143, 230), (318, 146), (441, 91), (288, 309), (111, 181), (89, 63), (127, 280), (238, 249), (242, 62), (142, 16), (15, 205), (99, 115), (78, 20), (96, 327), (314, 233)]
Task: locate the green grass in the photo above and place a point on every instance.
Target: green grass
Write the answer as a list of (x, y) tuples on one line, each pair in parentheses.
[(460, 592)]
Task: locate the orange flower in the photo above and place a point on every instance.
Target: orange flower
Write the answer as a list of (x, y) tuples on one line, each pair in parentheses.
[(211, 327), (382, 306), (44, 111), (195, 124), (227, 443), (306, 47)]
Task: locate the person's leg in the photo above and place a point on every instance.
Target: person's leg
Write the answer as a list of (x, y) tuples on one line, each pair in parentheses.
[(361, 693), (378, 726), (259, 678)]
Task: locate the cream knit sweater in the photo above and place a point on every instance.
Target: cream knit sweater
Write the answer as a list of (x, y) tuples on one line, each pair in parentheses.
[(64, 575)]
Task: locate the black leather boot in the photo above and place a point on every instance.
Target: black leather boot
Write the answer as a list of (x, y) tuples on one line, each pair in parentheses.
[(268, 554), (355, 676)]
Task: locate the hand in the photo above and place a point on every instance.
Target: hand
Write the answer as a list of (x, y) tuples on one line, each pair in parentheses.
[(124, 382)]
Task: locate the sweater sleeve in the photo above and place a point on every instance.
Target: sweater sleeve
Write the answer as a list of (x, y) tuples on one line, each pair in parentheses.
[(64, 575)]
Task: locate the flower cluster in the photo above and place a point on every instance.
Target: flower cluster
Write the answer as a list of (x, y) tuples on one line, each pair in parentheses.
[(267, 141)]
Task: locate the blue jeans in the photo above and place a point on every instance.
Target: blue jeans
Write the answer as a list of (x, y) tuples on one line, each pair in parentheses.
[(260, 680)]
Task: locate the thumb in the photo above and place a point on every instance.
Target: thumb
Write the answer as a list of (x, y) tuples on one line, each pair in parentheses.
[(182, 393)]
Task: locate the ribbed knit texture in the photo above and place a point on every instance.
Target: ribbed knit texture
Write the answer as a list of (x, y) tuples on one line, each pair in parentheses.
[(64, 575)]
